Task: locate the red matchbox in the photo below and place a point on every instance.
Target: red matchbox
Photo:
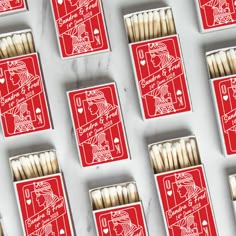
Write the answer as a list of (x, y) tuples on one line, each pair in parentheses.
[(12, 6)]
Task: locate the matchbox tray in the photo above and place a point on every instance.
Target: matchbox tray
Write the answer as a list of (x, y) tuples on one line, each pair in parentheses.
[(12, 6)]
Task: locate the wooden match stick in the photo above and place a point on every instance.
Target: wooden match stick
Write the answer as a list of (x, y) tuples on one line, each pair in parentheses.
[(190, 154), (132, 193), (210, 66), (170, 22), (1, 230), (225, 62), (113, 196), (163, 23), (119, 190), (18, 44), (48, 162), (97, 199), (4, 49), (175, 158), (180, 155), (1, 54), (9, 52), (153, 161), (233, 57), (32, 161), (54, 162), (15, 170), (146, 25), (230, 62), (151, 25), (195, 152), (165, 159), (184, 152), (169, 155), (38, 165), (157, 24), (158, 159), (141, 27), (25, 43), (233, 186), (135, 27), (19, 167), (129, 30), (125, 195), (30, 42), (219, 64), (217, 73), (11, 45), (43, 163), (106, 197), (26, 167)]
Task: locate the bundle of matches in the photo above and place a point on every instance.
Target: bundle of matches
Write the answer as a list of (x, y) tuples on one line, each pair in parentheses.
[(34, 165), (174, 155), (114, 196), (16, 45), (150, 24), (222, 63)]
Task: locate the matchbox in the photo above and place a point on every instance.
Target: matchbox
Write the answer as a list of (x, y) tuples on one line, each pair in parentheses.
[(216, 14), (122, 214), (23, 102), (12, 6), (98, 125), (80, 27), (157, 62), (182, 187), (41, 194)]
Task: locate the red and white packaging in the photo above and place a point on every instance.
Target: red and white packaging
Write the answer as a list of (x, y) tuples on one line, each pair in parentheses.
[(184, 197), (98, 124), (216, 15), (80, 27), (23, 101), (42, 203), (122, 219), (159, 74), (12, 6)]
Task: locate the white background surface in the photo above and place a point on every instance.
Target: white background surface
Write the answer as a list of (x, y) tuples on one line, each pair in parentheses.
[(61, 76)]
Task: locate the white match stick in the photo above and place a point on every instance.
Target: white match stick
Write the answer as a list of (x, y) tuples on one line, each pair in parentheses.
[(153, 161), (233, 57), (23, 176), (18, 44), (25, 43), (230, 62), (233, 186), (129, 30), (163, 23), (165, 159), (190, 154), (157, 24), (184, 152), (43, 163), (151, 25), (119, 190), (219, 64), (38, 165), (9, 52), (169, 155), (54, 162), (15, 170), (225, 62), (135, 27), (175, 158), (125, 195), (170, 22), (132, 193), (210, 66), (113, 196), (141, 27), (106, 197), (26, 167), (28, 162), (31, 158), (11, 45), (4, 49), (48, 162), (1, 54), (180, 155), (30, 42), (158, 159), (195, 152), (146, 25), (97, 199), (217, 73), (1, 230)]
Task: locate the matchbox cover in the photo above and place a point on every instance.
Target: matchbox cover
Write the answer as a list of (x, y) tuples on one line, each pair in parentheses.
[(23, 102), (80, 27), (98, 125), (43, 206), (224, 92), (186, 203), (216, 14), (122, 220), (160, 77), (12, 6)]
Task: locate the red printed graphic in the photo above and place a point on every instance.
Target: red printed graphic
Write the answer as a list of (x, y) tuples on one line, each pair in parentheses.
[(225, 94), (11, 5), (43, 207), (186, 203), (23, 102), (80, 27), (121, 221), (160, 77), (98, 125), (217, 13)]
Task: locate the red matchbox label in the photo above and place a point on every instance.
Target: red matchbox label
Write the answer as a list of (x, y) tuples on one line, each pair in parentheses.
[(10, 6), (80, 27), (23, 102), (186, 204), (217, 13), (126, 220), (43, 207), (161, 77), (98, 125), (225, 95)]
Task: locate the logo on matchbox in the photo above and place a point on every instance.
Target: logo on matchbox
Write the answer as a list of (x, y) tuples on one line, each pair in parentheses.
[(217, 13), (98, 125), (23, 102), (186, 203), (127, 221), (225, 94), (160, 77), (80, 27), (43, 207), (11, 5)]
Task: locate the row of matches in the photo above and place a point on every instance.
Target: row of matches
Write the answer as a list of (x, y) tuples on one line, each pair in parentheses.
[(35, 165), (174, 155), (114, 196), (149, 25), (222, 63), (232, 181), (16, 45)]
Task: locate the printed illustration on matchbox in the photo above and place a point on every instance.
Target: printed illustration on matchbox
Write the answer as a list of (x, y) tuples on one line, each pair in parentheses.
[(217, 13), (161, 78), (80, 26), (125, 221), (98, 124), (22, 98), (43, 207), (186, 203), (11, 5), (225, 92)]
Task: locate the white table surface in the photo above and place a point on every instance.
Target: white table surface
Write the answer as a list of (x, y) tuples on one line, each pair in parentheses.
[(61, 76)]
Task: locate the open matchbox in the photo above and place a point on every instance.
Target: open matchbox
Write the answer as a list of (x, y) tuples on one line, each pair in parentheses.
[(158, 64), (117, 211), (216, 15), (224, 97), (80, 27), (23, 102), (42, 200), (98, 124), (12, 6), (182, 187)]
